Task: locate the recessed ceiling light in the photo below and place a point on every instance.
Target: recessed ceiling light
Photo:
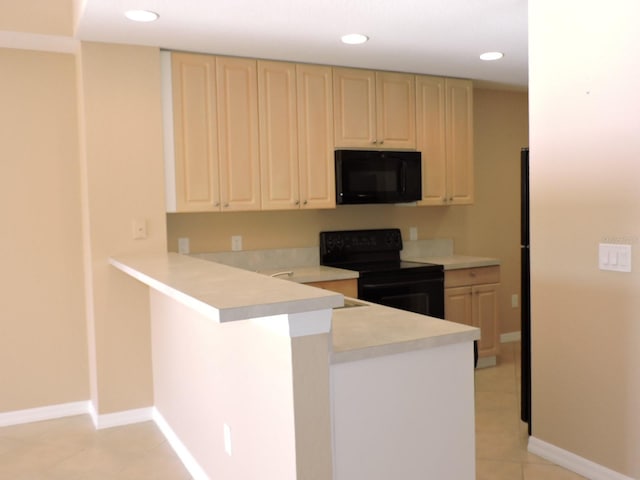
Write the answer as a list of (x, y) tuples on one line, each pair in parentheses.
[(354, 38), (491, 56), (141, 15)]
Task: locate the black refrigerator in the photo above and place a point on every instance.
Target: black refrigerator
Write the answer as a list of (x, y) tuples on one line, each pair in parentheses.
[(525, 286)]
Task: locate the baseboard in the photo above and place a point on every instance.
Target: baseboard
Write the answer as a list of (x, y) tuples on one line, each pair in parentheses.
[(573, 462), (510, 337), (39, 414), (190, 463), (117, 419)]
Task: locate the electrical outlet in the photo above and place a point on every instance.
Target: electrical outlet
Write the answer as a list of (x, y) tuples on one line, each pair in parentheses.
[(514, 300), (183, 245), (236, 243), (227, 439), (413, 233)]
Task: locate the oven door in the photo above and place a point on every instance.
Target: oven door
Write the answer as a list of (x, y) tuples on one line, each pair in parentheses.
[(419, 295)]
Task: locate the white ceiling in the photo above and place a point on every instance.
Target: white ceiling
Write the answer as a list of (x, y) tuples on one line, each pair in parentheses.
[(440, 37)]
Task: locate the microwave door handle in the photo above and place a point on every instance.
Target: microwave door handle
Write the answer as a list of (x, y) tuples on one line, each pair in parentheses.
[(403, 177)]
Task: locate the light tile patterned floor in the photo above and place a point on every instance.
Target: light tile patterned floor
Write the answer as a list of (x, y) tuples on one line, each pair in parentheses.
[(70, 448), (501, 438)]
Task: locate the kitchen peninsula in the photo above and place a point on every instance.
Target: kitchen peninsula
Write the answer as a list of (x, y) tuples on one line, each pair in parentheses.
[(258, 377)]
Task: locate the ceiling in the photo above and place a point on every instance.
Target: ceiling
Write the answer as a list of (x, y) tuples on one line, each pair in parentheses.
[(440, 37)]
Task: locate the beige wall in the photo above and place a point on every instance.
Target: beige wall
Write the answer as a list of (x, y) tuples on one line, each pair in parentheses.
[(584, 184), (488, 228), (123, 180), (43, 353)]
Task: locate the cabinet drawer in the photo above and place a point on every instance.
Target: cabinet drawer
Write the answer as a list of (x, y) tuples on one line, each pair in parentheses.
[(471, 276), (348, 287)]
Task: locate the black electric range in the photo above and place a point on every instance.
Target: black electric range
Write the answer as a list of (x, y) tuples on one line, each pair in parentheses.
[(383, 277)]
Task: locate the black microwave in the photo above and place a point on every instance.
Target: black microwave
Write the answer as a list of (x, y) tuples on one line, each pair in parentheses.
[(368, 176)]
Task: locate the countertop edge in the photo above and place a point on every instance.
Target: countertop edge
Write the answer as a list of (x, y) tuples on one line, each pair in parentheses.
[(168, 273), (402, 347)]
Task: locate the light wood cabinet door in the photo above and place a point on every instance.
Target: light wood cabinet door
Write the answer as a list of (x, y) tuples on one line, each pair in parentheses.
[(354, 93), (485, 317), (195, 133), (445, 138), (395, 110), (279, 170), (296, 136), (458, 305), (459, 132), (374, 109), (315, 136), (471, 298), (237, 93), (431, 138)]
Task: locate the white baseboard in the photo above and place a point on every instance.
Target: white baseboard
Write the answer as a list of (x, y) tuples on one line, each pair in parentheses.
[(39, 414), (573, 462), (190, 463), (117, 419), (510, 337)]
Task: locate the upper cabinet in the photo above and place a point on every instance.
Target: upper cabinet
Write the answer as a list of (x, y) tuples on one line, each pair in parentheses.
[(445, 138), (374, 109), (237, 88), (215, 133), (244, 134), (296, 136)]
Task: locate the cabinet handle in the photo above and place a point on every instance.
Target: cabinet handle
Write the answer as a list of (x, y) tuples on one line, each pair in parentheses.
[(217, 204), (226, 205), (381, 142), (473, 274), (297, 202), (305, 202)]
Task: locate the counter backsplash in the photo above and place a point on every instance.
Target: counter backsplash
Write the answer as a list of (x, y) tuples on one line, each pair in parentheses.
[(309, 256)]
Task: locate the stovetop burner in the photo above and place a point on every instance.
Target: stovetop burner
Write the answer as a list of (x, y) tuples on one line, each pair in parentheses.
[(367, 251)]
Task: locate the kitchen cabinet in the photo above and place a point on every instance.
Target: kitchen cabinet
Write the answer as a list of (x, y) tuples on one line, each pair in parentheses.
[(296, 136), (374, 109), (471, 298), (444, 123), (215, 133), (347, 287)]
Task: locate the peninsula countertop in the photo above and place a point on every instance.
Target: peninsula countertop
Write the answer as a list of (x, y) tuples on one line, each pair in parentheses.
[(370, 330), (222, 292)]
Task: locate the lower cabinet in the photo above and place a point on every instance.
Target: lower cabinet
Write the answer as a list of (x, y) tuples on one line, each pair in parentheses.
[(347, 287), (471, 297)]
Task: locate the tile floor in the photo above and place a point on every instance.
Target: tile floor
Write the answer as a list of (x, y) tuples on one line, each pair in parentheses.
[(70, 448), (501, 438)]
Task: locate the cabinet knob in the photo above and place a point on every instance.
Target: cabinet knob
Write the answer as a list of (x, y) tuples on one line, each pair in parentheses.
[(381, 142), (217, 204), (297, 202), (305, 202), (226, 205)]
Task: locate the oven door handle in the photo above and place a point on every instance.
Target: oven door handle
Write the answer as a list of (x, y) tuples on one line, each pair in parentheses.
[(401, 284)]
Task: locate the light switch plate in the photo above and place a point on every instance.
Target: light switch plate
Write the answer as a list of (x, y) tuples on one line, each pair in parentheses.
[(614, 257)]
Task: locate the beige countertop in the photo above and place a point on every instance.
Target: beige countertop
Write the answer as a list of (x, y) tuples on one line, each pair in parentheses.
[(453, 262), (221, 292), (225, 293), (308, 274), (374, 330)]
